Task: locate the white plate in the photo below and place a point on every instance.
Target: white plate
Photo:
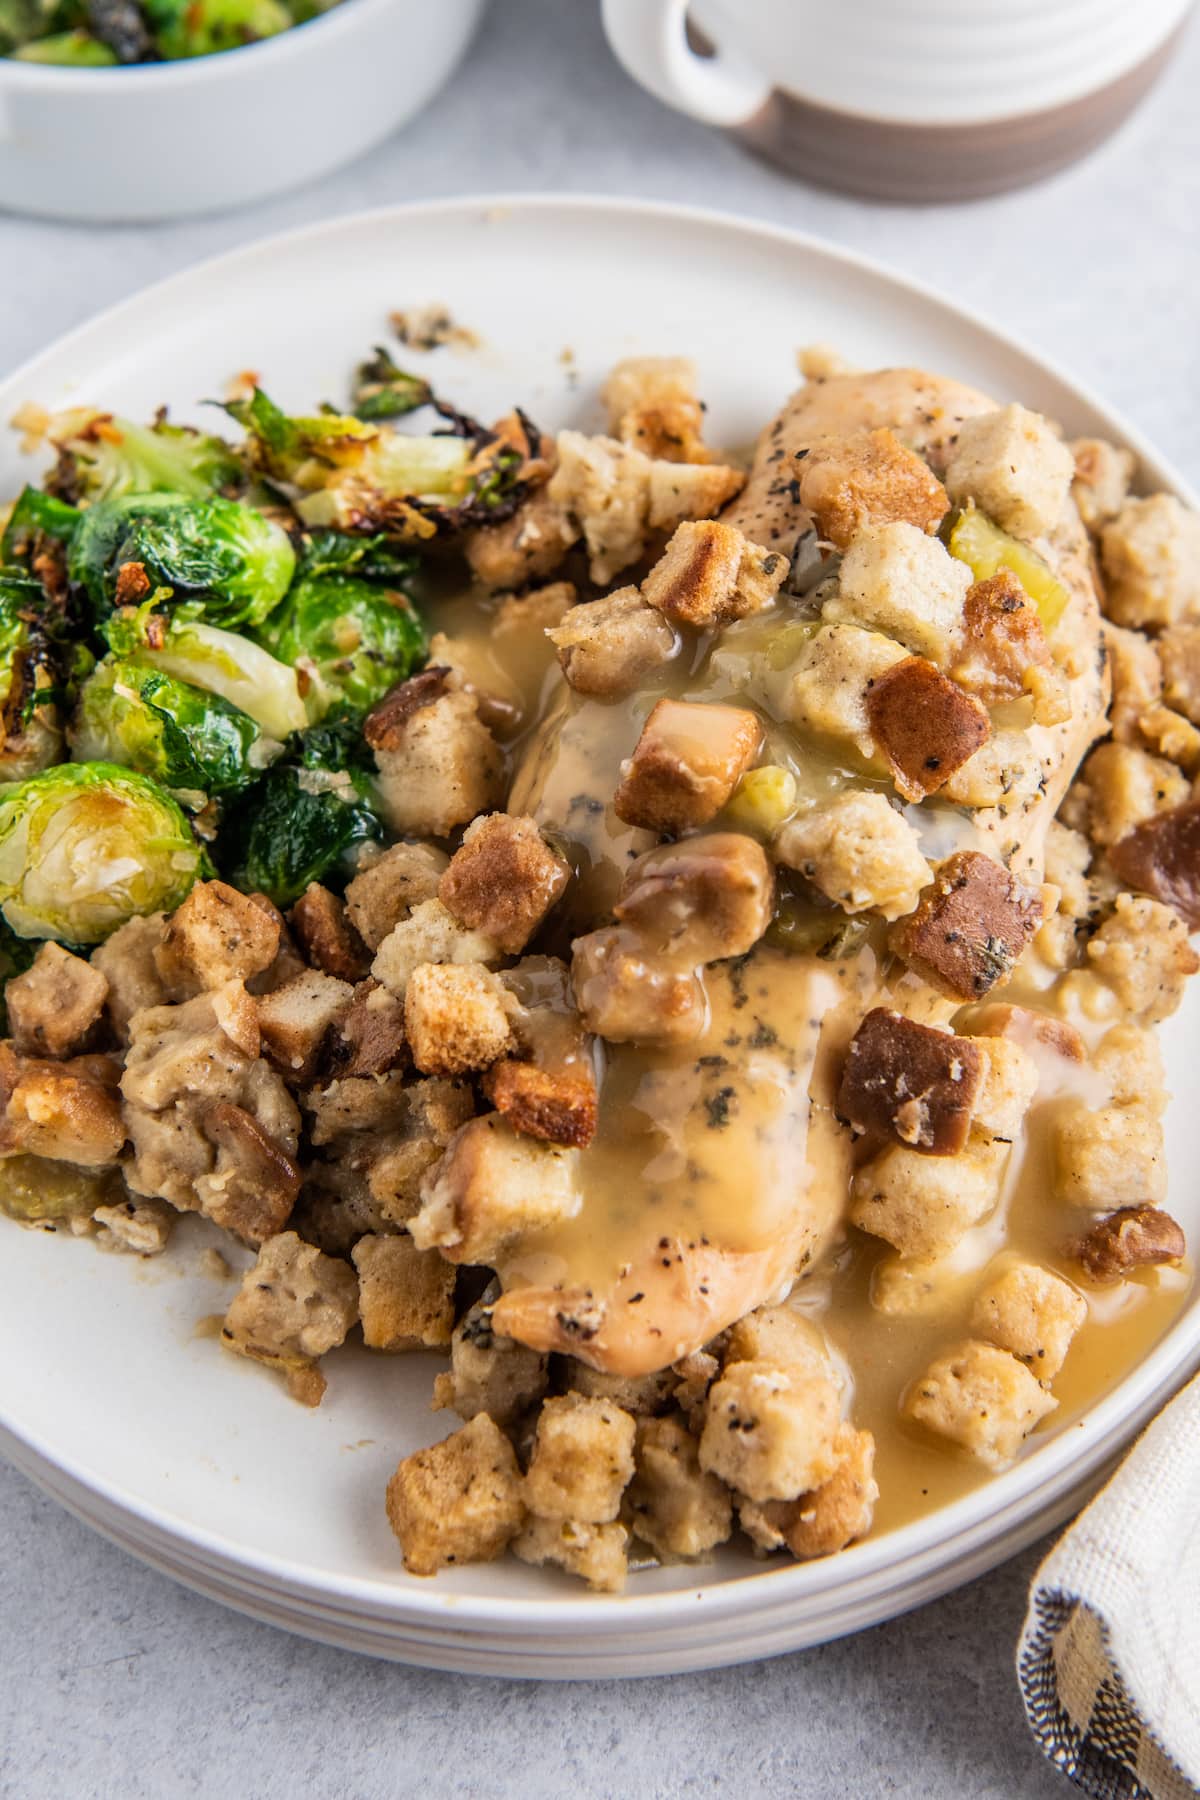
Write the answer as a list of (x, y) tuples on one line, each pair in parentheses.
[(198, 1463)]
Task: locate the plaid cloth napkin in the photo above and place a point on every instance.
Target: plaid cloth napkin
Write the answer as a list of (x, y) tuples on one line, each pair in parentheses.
[(1109, 1658)]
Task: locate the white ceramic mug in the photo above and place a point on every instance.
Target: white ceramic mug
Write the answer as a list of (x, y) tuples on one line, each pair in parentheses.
[(903, 99)]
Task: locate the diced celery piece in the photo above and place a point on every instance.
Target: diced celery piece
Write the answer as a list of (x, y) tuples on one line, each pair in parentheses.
[(976, 541)]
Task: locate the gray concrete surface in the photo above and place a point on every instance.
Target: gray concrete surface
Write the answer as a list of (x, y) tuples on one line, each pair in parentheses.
[(114, 1682)]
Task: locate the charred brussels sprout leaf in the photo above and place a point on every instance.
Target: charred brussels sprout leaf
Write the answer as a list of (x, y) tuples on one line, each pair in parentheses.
[(86, 846), (220, 662), (102, 457), (370, 558), (36, 515), (355, 641), (230, 562), (194, 743), (38, 671), (384, 391), (302, 821)]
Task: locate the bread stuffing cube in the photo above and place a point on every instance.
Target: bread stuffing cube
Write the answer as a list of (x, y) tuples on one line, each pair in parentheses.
[(981, 1398), (458, 1501), (624, 996), (699, 900), (126, 960), (596, 1553), (868, 478), (1031, 1312), (971, 927), (897, 580), (710, 575), (489, 1373), (907, 1081), (679, 492), (582, 1460), (1124, 787), (56, 1005), (1178, 653), (1137, 679), (217, 935), (608, 647), (1010, 1081), (527, 547), (1012, 464), (833, 1515), (1002, 642), (295, 1021), (388, 889), (293, 1305), (1103, 472), (1108, 1157), (778, 1335), (1128, 1057), (369, 1035), (430, 934), (1150, 555), (503, 880), (455, 1018), (560, 1106), (685, 765), (859, 852), (439, 765), (832, 682), (494, 1184), (405, 1295), (1142, 952), (923, 1205), (770, 1432), (674, 1505), (605, 486), (326, 936), (924, 725)]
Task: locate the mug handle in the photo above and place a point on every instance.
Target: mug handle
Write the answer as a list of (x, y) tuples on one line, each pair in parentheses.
[(649, 40)]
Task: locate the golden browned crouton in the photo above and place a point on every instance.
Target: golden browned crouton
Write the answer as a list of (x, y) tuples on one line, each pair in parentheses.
[(868, 478), (833, 1515), (293, 1305), (971, 927), (700, 900), (57, 1111), (709, 575), (770, 1432), (923, 1205), (217, 935), (1172, 736), (1013, 464), (1103, 473), (527, 547), (492, 1185), (582, 1460), (924, 724), (386, 1136), (778, 1335), (859, 852), (1033, 1313), (678, 492), (1133, 1237), (405, 1295), (906, 1080), (1131, 1062), (1160, 856), (559, 1106), (457, 1502), (675, 1506), (624, 994), (980, 1397), (296, 1019), (1124, 786), (489, 1373), (438, 763), (518, 616), (369, 1036), (387, 890), (897, 581), (326, 937), (56, 1005), (832, 679), (608, 647), (430, 934), (686, 765), (455, 1018), (1150, 555), (1178, 652), (651, 404), (604, 486), (503, 880), (1142, 952), (1109, 1156), (1002, 640), (596, 1553), (126, 960)]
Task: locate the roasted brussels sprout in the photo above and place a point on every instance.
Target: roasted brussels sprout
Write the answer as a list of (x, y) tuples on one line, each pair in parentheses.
[(353, 640), (36, 515), (375, 558), (232, 564), (219, 662), (305, 817), (195, 743), (86, 846), (383, 391), (102, 457)]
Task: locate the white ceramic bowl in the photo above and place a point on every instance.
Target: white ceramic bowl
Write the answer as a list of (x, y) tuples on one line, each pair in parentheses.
[(160, 140), (196, 1461)]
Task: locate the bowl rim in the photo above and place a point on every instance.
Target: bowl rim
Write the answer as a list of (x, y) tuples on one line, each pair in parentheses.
[(987, 1516)]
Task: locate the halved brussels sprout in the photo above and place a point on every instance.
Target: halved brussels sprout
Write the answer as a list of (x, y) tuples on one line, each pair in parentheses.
[(86, 846), (193, 742), (220, 662), (229, 563), (354, 640), (102, 456)]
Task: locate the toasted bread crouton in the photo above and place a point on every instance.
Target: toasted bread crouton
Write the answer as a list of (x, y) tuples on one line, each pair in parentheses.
[(503, 880), (369, 1037), (685, 765), (652, 405), (604, 486), (925, 726), (558, 1107), (356, 1103), (1125, 786), (897, 581), (833, 1515), (682, 491), (1010, 1081), (493, 1185), (1129, 1059), (778, 1335), (296, 1019), (489, 1373), (625, 995), (1150, 555), (439, 765), (1013, 465), (217, 935), (859, 852), (1178, 652), (981, 1398), (405, 1295), (832, 682), (430, 934), (1161, 856), (1109, 1156), (527, 547), (293, 1305), (971, 927), (709, 575), (326, 936), (1103, 473), (582, 1460), (700, 900), (57, 1111), (1002, 641), (608, 647), (56, 1005), (868, 478), (387, 890), (532, 609), (457, 1502), (455, 1018), (395, 1163), (1137, 678), (923, 1205), (1133, 1237), (126, 960), (1142, 952), (907, 1081), (770, 1432), (1031, 1312), (675, 1506), (596, 1553)]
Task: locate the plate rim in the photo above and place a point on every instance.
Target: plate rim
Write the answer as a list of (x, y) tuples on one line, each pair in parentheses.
[(998, 1508)]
